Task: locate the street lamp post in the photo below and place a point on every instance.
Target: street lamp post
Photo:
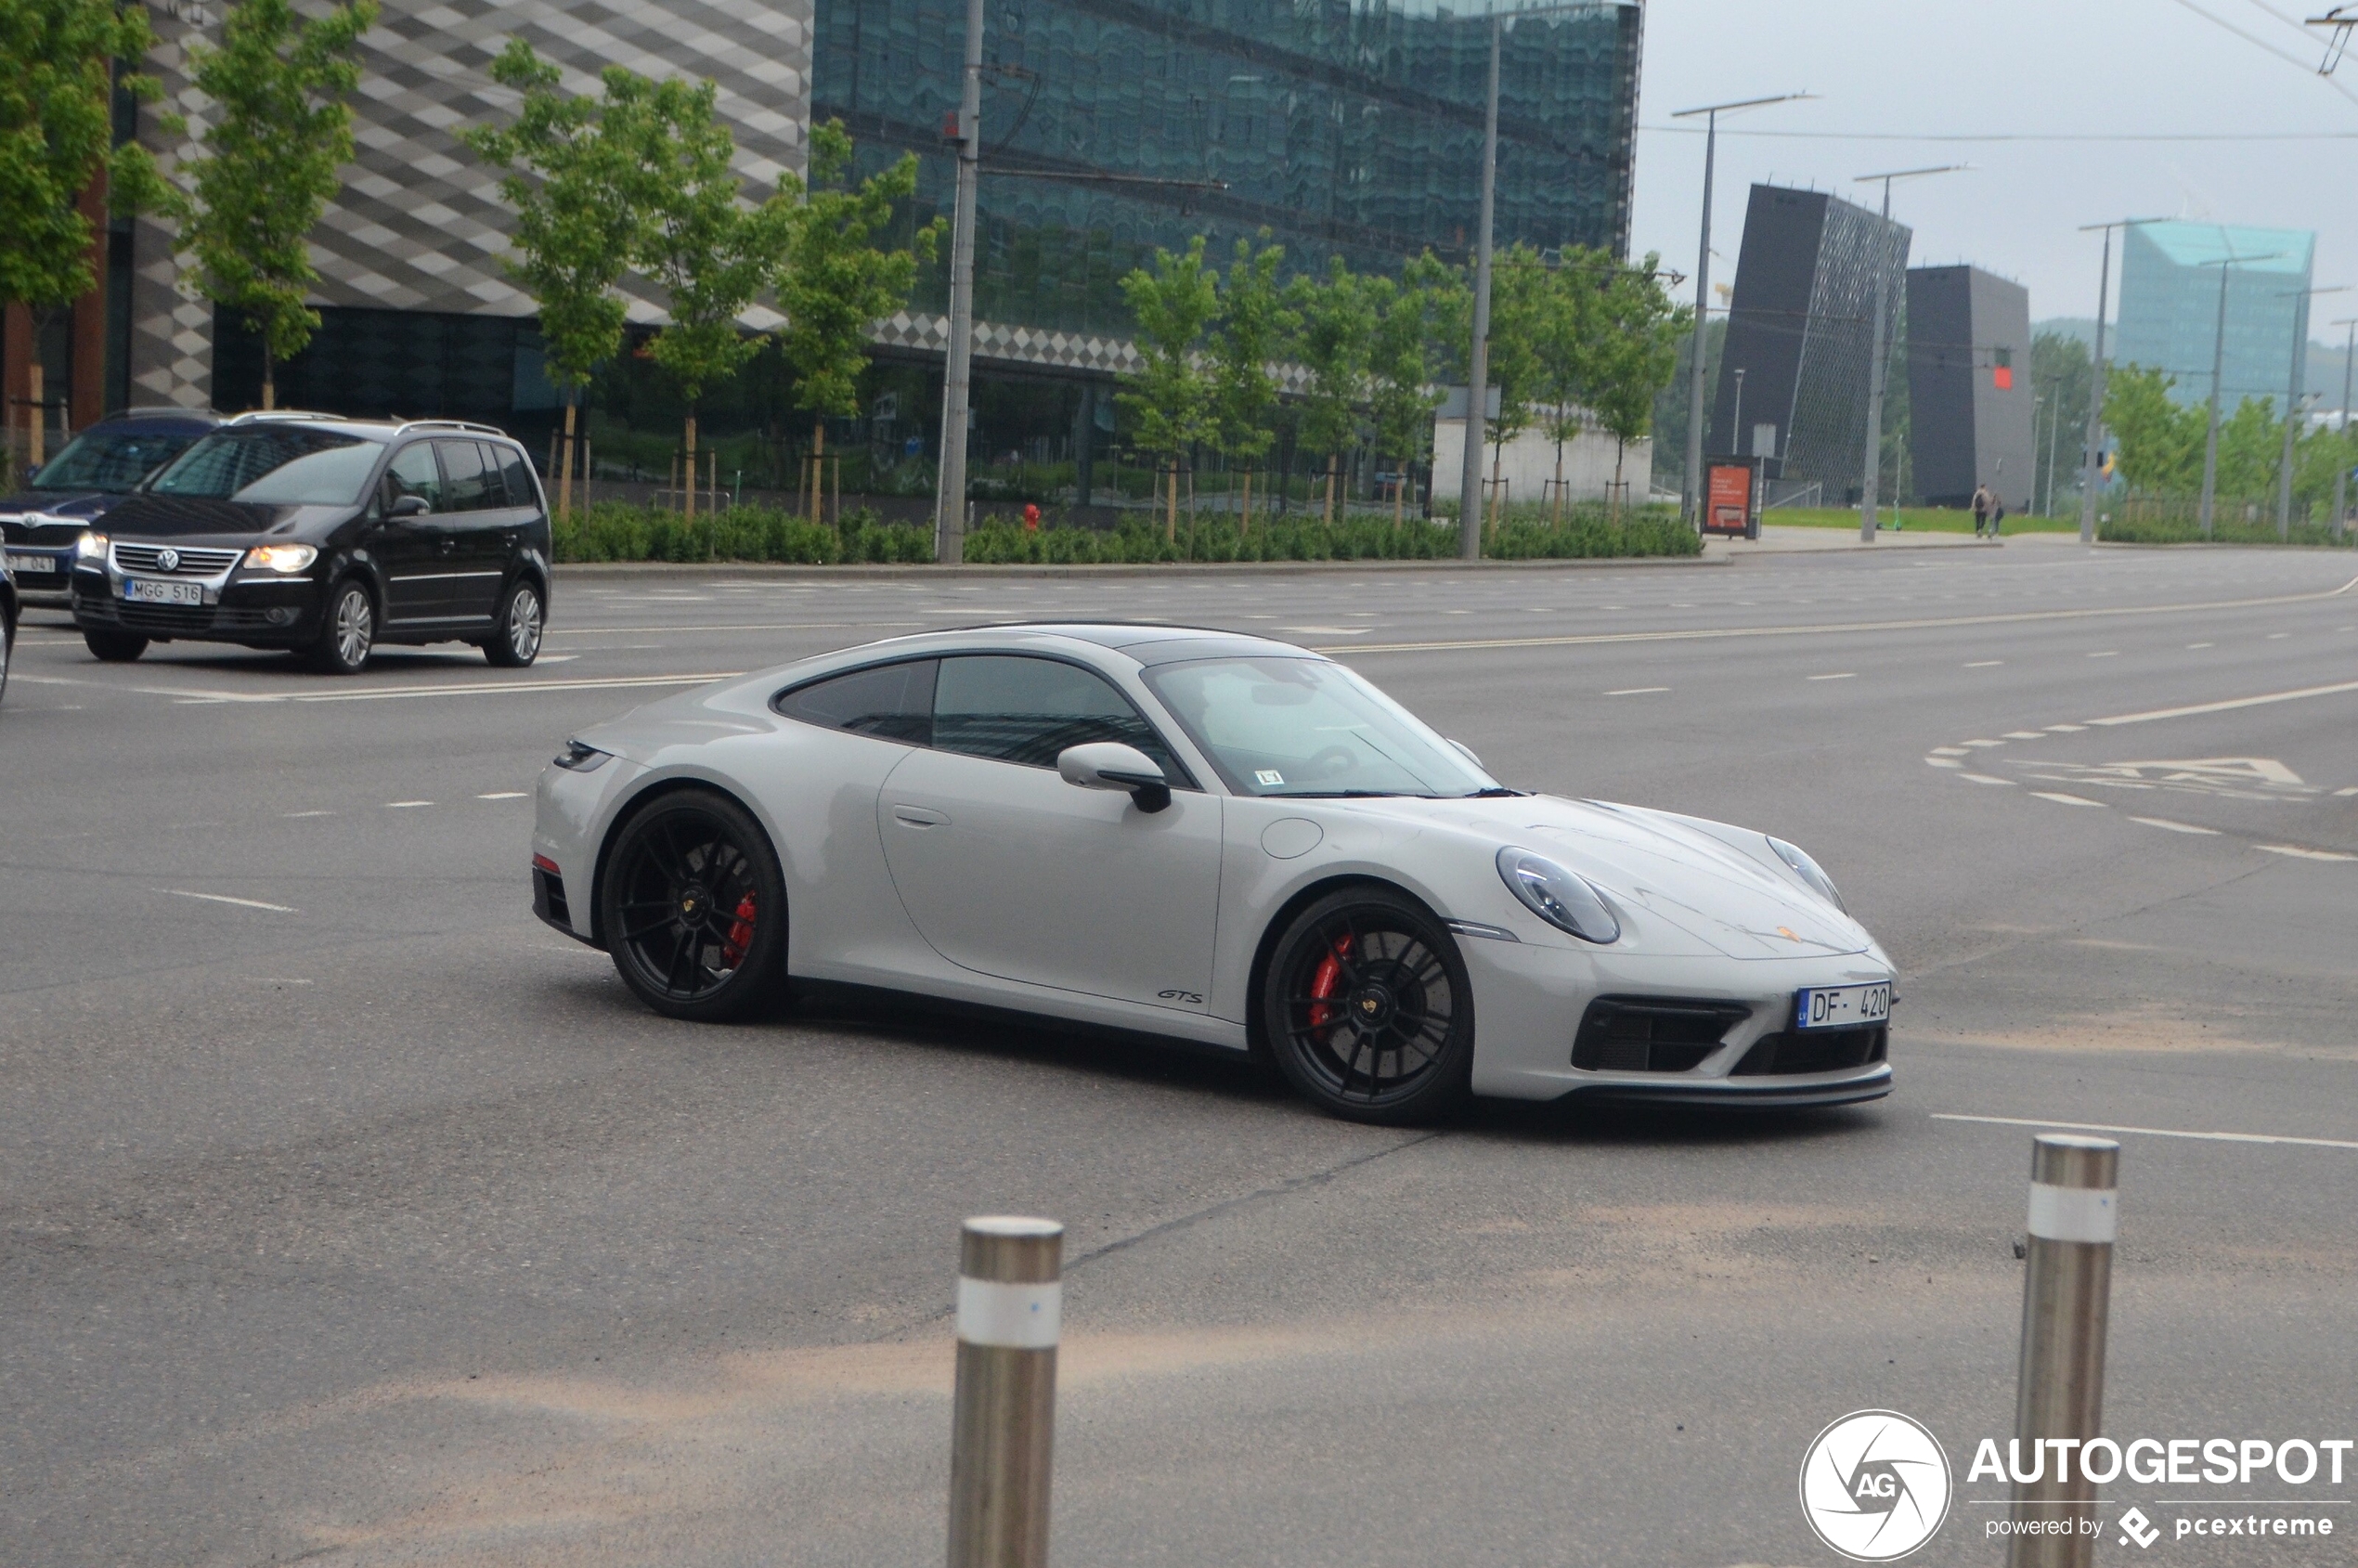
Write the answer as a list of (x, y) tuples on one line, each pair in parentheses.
[(2292, 398), (2096, 380), (2218, 370), (950, 503), (2341, 465), (1872, 479), (1690, 487)]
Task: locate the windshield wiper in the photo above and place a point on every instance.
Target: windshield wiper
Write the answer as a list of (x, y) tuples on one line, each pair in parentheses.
[(1496, 792), (1338, 794)]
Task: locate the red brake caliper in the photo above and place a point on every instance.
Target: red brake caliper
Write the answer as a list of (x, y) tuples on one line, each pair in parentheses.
[(1323, 984), (733, 952)]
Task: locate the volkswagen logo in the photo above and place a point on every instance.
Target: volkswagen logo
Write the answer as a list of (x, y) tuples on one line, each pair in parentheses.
[(168, 558)]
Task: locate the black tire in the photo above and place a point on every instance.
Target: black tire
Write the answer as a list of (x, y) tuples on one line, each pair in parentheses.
[(1366, 1008), (693, 908), (523, 616), (7, 648), (348, 629), (114, 647)]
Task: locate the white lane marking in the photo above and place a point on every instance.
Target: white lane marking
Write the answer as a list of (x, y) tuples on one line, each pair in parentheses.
[(225, 898), (1942, 762), (1637, 691), (1985, 664), (753, 626), (2298, 853), (2350, 790), (557, 659), (307, 813), (2229, 705), (1985, 778), (1846, 675), (1717, 632), (2066, 728), (2147, 1132), (500, 688), (2107, 654), (2176, 827), (404, 805), (1329, 630), (2192, 646), (276, 979), (199, 693), (502, 794), (2026, 736), (2278, 636), (2068, 800), (1950, 751), (1984, 743)]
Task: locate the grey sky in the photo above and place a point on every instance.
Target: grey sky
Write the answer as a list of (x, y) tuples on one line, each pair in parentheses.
[(2009, 66)]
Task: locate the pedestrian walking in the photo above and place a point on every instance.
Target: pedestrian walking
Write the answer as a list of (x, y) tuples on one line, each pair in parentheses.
[(1982, 501)]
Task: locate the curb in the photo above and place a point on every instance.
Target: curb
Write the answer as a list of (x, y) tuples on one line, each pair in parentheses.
[(579, 570)]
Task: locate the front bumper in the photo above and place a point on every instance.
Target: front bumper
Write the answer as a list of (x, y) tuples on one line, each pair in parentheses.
[(50, 582), (257, 609)]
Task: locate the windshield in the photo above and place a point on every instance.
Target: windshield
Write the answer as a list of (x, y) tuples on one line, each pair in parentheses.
[(110, 460), (276, 465), (1306, 726)]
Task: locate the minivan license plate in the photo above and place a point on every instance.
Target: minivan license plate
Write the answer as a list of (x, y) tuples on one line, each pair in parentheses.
[(139, 591), (1843, 1007)]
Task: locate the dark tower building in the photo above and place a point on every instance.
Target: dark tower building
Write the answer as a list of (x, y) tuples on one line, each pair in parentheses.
[(1799, 337), (1969, 392)]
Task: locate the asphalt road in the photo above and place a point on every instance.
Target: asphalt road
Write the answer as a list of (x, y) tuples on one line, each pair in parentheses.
[(353, 1216)]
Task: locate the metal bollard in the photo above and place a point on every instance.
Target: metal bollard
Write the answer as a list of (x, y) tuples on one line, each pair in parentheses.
[(1010, 1309), (2067, 1298)]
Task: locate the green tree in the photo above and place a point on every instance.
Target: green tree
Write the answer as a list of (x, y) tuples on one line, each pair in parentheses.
[(1403, 380), (568, 177), (274, 145), (1256, 331), (1567, 347), (1521, 290), (2062, 374), (834, 283), (1169, 397), (57, 73), (2159, 444), (709, 252), (1338, 330), (1640, 329)]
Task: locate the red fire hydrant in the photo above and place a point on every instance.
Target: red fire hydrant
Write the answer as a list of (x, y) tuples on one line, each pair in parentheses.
[(1031, 517)]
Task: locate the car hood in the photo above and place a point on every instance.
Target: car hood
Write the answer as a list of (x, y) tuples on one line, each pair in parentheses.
[(1679, 870), (160, 517), (66, 506)]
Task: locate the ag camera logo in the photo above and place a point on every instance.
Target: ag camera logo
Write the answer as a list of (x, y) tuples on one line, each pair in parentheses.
[(1875, 1486)]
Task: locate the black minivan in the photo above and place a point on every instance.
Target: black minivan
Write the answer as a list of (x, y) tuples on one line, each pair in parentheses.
[(325, 536)]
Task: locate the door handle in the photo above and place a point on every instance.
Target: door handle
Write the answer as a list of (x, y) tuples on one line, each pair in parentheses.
[(918, 816)]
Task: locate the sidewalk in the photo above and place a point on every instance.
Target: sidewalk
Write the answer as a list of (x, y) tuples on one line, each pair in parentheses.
[(1789, 540)]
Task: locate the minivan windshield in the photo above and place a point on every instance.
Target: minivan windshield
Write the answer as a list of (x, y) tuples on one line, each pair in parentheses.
[(1307, 727), (110, 461), (274, 465)]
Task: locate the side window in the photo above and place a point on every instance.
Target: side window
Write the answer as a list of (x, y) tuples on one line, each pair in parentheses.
[(463, 472), (1018, 709), (412, 473), (891, 702), (515, 469)]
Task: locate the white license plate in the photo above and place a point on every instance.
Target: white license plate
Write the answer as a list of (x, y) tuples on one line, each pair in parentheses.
[(45, 565), (139, 591), (1841, 1007)]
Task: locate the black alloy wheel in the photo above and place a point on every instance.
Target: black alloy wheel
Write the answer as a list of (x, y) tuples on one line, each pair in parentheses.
[(694, 907), (514, 642), (1368, 1008), (114, 647), (348, 631)]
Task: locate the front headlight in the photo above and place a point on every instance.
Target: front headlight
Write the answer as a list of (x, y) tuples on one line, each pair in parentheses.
[(1809, 871), (1557, 895), (91, 546), (579, 759), (281, 557)]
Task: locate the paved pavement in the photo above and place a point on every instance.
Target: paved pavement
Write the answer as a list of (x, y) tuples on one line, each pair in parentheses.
[(352, 1216)]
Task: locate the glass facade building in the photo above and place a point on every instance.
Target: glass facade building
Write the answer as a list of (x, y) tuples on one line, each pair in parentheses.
[(1793, 377), (2170, 307)]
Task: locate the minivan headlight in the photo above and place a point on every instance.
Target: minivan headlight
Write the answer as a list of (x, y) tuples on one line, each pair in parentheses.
[(1563, 900), (281, 557), (1809, 871), (91, 546)]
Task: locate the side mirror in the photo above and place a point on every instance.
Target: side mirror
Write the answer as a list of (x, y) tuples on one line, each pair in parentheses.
[(1111, 765), (408, 506), (1467, 752)]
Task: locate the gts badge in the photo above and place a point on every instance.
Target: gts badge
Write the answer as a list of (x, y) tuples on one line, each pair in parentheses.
[(1185, 998)]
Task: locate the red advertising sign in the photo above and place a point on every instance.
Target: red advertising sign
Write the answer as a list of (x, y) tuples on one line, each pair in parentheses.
[(1728, 493)]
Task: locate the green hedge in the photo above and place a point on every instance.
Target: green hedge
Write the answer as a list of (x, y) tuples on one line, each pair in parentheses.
[(612, 531), (2173, 530)]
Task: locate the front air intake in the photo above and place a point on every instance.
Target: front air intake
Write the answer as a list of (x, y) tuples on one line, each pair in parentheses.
[(1651, 1034)]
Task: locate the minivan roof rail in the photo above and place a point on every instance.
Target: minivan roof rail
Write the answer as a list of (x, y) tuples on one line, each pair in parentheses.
[(257, 415), (160, 411), (450, 424)]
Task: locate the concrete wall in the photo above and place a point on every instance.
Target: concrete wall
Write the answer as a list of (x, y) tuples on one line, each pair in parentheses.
[(1529, 461)]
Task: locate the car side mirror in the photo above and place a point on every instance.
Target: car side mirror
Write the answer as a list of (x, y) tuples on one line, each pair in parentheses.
[(1112, 765), (407, 505)]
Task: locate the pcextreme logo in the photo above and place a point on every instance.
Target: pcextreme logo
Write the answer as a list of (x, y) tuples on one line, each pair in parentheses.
[(1874, 1485)]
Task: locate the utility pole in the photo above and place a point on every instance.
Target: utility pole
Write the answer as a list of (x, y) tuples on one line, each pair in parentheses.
[(2293, 400), (1873, 480), (1477, 356), (1691, 486), (2341, 466), (2096, 381), (949, 500)]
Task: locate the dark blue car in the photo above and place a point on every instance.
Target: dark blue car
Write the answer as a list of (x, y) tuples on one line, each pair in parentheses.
[(99, 469)]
